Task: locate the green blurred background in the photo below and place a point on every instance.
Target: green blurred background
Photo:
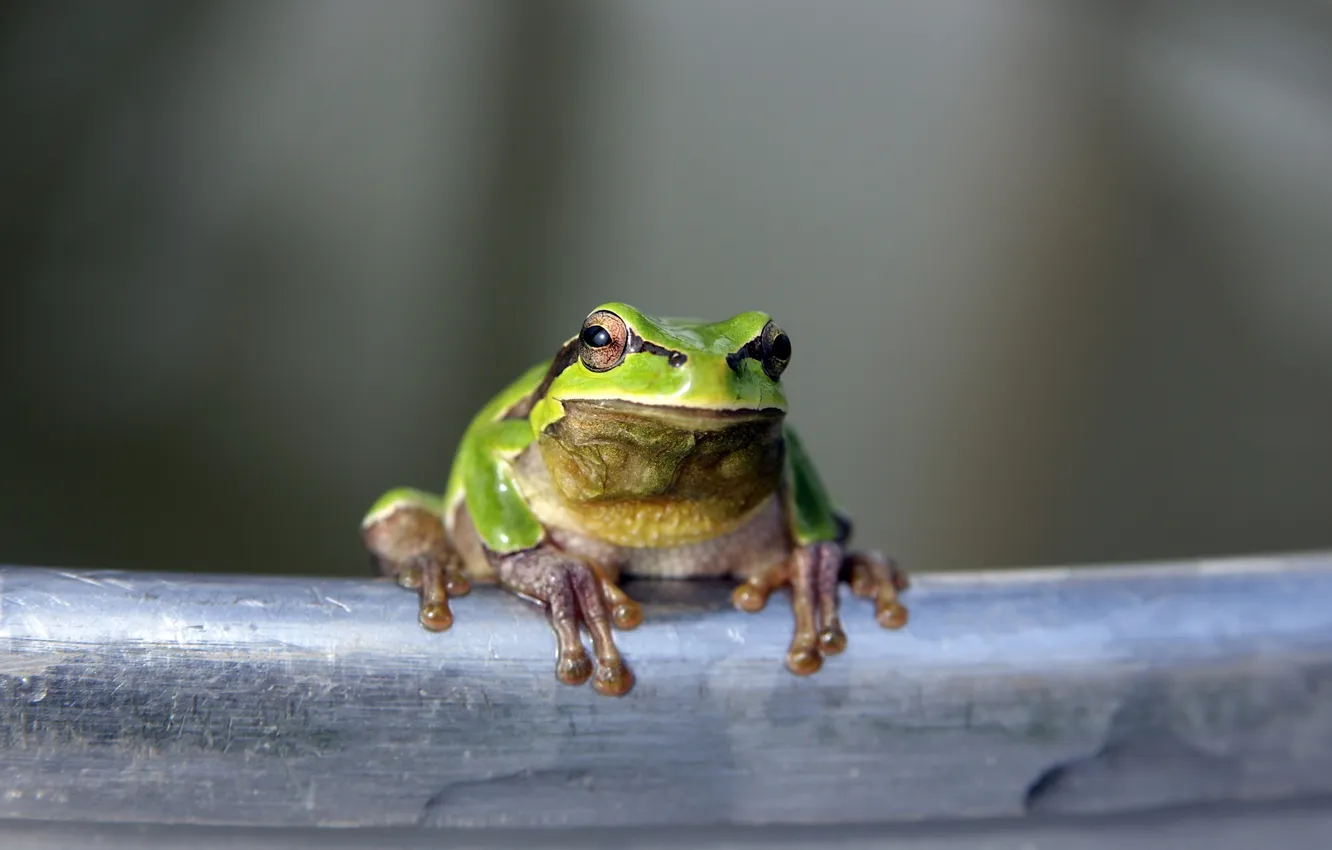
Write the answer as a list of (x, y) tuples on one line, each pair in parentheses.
[(1058, 274)]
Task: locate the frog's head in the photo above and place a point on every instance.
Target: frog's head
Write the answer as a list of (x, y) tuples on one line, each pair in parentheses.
[(625, 358)]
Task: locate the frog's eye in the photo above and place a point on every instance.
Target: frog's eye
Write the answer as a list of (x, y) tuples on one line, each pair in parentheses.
[(603, 341), (776, 351)]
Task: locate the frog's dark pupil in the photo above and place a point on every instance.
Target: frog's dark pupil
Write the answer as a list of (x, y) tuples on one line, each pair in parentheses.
[(595, 336), (781, 347)]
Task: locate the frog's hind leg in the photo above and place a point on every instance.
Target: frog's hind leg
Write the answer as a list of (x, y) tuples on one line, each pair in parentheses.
[(405, 534), (574, 593)]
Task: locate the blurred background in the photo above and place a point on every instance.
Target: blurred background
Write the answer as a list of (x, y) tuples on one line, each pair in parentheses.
[(1058, 274)]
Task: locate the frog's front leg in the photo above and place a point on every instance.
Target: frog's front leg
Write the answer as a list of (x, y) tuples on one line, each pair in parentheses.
[(815, 567), (404, 532), (575, 593), (814, 572)]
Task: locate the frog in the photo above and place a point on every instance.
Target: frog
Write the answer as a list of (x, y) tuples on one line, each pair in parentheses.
[(645, 448)]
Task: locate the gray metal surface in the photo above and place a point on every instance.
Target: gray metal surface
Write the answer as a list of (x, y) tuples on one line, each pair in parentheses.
[(1304, 826), (296, 702)]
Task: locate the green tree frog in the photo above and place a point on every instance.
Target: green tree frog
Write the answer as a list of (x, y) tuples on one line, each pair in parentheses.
[(645, 447)]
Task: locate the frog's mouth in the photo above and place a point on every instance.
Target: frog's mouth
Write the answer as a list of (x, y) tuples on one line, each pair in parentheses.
[(679, 416)]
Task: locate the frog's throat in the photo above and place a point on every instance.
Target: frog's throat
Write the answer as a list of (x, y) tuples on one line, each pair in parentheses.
[(653, 475)]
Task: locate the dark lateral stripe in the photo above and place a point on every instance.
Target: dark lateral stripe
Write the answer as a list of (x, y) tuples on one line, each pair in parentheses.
[(638, 344), (563, 360), (566, 358), (752, 349)]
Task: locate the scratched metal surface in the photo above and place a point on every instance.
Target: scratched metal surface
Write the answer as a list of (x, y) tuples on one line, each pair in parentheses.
[(296, 702)]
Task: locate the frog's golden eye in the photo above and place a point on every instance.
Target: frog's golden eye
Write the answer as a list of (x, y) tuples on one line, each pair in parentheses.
[(776, 351), (603, 341)]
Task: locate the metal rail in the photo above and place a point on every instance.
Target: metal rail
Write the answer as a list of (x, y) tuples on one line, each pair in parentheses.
[(174, 699)]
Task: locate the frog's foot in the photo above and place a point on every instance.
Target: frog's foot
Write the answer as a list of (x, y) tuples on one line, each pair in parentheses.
[(575, 593), (812, 573), (818, 629), (407, 542), (876, 577)]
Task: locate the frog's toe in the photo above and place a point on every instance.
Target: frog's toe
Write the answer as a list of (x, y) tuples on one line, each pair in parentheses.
[(573, 667), (436, 616), (408, 578), (803, 661), (440, 583), (877, 577), (614, 678), (751, 596), (832, 640), (625, 613), (437, 585)]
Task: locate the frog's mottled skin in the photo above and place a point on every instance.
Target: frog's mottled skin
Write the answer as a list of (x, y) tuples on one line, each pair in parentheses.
[(645, 447)]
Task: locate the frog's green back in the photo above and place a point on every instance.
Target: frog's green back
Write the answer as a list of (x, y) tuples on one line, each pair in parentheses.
[(507, 400)]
